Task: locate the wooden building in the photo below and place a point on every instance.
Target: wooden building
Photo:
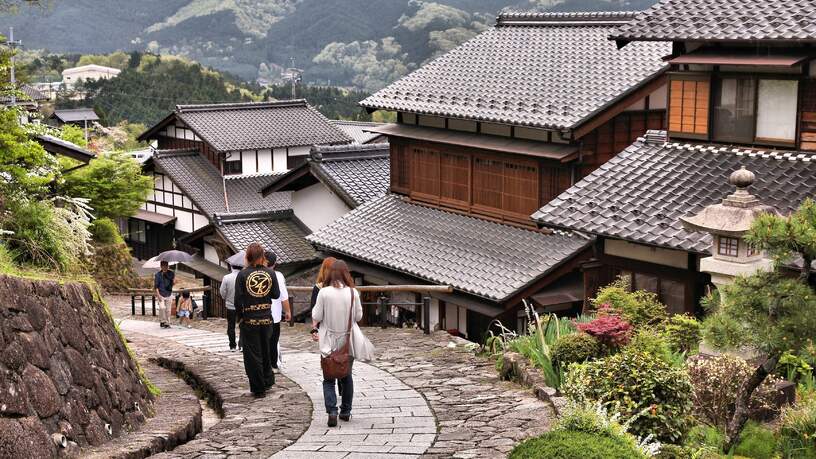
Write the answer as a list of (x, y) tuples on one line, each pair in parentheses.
[(485, 136), (739, 95)]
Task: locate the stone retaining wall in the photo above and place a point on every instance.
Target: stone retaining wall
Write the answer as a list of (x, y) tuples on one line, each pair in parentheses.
[(64, 370), (517, 368)]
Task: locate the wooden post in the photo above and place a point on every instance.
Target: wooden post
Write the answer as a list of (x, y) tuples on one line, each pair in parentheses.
[(133, 305), (383, 311), (143, 305), (153, 304), (426, 315)]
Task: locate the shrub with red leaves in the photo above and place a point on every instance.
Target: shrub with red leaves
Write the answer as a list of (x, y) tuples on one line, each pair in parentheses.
[(610, 330)]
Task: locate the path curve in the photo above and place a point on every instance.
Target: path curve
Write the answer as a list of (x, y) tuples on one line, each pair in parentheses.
[(389, 418)]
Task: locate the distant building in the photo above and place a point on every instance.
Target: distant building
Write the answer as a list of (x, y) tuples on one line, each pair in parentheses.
[(77, 116), (361, 131), (74, 75)]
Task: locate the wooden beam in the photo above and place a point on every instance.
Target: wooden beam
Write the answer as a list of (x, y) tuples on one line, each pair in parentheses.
[(619, 106), (386, 288)]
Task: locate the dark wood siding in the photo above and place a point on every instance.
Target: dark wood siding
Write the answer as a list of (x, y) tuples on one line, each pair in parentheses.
[(807, 134), (172, 143)]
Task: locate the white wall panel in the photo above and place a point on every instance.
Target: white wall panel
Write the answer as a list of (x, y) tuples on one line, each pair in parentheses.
[(264, 161), (316, 206)]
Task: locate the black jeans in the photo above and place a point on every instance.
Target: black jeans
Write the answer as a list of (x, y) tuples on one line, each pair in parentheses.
[(258, 365), (346, 387), (273, 344), (231, 327)]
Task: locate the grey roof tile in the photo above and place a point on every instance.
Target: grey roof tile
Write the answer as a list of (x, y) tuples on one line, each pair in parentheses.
[(357, 130), (547, 70), (25, 93), (199, 180), (358, 173), (640, 194), (282, 235), (723, 20), (483, 258), (68, 115), (260, 125)]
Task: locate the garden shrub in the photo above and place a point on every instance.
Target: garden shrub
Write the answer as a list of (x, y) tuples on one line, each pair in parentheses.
[(609, 329), (636, 384), (638, 308), (756, 442), (716, 382), (36, 237), (705, 437), (575, 348), (594, 418), (668, 451), (649, 341), (793, 367), (563, 444), (104, 231), (683, 333), (797, 430)]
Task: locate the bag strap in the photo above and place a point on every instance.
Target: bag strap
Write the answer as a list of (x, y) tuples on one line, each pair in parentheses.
[(351, 311)]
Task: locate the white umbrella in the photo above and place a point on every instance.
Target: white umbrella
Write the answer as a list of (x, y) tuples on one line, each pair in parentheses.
[(154, 263), (239, 259)]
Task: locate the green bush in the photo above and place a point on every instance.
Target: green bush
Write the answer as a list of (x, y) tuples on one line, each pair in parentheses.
[(638, 385), (575, 348), (756, 442), (705, 437), (36, 237), (793, 367), (797, 430), (104, 231), (638, 308), (648, 340), (683, 333), (668, 451), (562, 444)]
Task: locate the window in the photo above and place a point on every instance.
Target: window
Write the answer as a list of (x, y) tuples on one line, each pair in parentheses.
[(426, 171), (776, 107), (520, 188), (673, 295), (728, 246), (455, 177), (232, 167), (488, 182), (750, 251), (137, 231), (399, 168), (734, 105), (688, 107)]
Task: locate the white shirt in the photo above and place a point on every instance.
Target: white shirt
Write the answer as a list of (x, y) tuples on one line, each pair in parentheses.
[(277, 305)]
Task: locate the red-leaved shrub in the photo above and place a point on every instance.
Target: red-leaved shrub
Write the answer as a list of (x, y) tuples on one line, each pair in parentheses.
[(609, 329)]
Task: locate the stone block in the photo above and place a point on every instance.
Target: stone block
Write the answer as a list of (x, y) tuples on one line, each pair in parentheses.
[(42, 394)]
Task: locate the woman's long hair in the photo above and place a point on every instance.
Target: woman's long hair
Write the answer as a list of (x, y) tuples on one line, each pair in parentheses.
[(255, 255), (339, 275), (323, 274)]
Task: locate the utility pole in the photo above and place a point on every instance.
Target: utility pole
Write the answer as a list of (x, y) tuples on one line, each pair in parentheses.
[(293, 75), (13, 45)]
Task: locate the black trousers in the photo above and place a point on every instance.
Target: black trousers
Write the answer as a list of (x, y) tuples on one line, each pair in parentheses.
[(273, 344), (231, 327), (257, 361)]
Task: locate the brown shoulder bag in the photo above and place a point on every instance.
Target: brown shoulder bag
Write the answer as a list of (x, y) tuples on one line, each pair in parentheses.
[(338, 364)]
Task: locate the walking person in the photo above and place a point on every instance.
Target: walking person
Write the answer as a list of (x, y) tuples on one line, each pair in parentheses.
[(227, 291), (280, 307), (184, 309), (337, 308), (163, 283), (256, 287)]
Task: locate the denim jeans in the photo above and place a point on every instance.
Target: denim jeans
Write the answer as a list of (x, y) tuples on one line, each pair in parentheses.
[(346, 386)]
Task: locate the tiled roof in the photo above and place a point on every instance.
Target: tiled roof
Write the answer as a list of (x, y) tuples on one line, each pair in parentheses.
[(547, 70), (483, 258), (260, 125), (358, 173), (29, 93), (357, 130), (723, 20), (75, 114), (640, 194), (281, 234), (199, 180)]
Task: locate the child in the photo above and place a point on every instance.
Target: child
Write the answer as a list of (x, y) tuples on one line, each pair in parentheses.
[(185, 308)]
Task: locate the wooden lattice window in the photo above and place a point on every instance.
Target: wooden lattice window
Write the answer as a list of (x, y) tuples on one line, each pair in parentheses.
[(488, 182), (728, 246), (689, 105), (400, 178), (426, 171), (520, 188), (455, 177)]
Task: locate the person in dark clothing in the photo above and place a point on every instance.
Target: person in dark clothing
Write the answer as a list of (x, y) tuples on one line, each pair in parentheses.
[(227, 292), (256, 287), (281, 309), (163, 283)]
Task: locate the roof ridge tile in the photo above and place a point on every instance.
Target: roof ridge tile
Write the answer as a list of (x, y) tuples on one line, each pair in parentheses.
[(240, 105)]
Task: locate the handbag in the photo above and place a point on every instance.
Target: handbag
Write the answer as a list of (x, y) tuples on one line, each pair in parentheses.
[(338, 364)]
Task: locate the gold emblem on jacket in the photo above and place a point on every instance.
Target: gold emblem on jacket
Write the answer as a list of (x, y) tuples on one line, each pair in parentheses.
[(259, 283)]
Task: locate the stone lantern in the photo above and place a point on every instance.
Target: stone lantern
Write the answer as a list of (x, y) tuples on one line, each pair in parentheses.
[(728, 222)]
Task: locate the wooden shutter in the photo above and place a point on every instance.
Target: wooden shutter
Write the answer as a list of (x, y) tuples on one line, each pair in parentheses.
[(520, 187), (400, 180), (689, 105), (455, 178), (425, 170), (488, 181)]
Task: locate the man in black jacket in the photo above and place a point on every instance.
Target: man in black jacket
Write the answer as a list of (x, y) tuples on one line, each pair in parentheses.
[(256, 287)]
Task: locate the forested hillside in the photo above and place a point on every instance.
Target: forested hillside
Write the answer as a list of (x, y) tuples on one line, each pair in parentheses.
[(364, 43)]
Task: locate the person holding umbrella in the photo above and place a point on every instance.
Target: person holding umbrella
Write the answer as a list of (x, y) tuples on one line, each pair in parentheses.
[(256, 287), (163, 285)]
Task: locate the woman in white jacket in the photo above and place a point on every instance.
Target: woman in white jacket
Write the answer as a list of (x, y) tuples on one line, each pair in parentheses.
[(332, 312)]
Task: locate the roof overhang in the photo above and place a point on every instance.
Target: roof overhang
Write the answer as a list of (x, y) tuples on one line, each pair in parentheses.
[(58, 146), (296, 179), (153, 217), (737, 59), (554, 151), (206, 268), (150, 133)]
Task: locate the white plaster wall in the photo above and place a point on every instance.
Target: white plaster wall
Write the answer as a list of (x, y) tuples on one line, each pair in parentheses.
[(184, 221), (659, 98), (434, 314), (299, 151), (279, 162), (210, 254), (624, 249), (248, 158), (316, 206), (264, 161), (200, 222), (463, 321)]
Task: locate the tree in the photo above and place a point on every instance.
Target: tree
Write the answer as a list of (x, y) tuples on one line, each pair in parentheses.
[(25, 168), (766, 312), (114, 184), (784, 237)]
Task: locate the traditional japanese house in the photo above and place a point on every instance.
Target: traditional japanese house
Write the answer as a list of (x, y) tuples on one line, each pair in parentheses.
[(209, 169), (360, 131), (485, 135), (741, 93), (80, 117)]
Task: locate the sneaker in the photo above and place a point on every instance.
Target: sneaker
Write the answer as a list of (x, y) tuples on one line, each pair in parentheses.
[(189, 326), (345, 417), (232, 349), (259, 394), (332, 420)]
